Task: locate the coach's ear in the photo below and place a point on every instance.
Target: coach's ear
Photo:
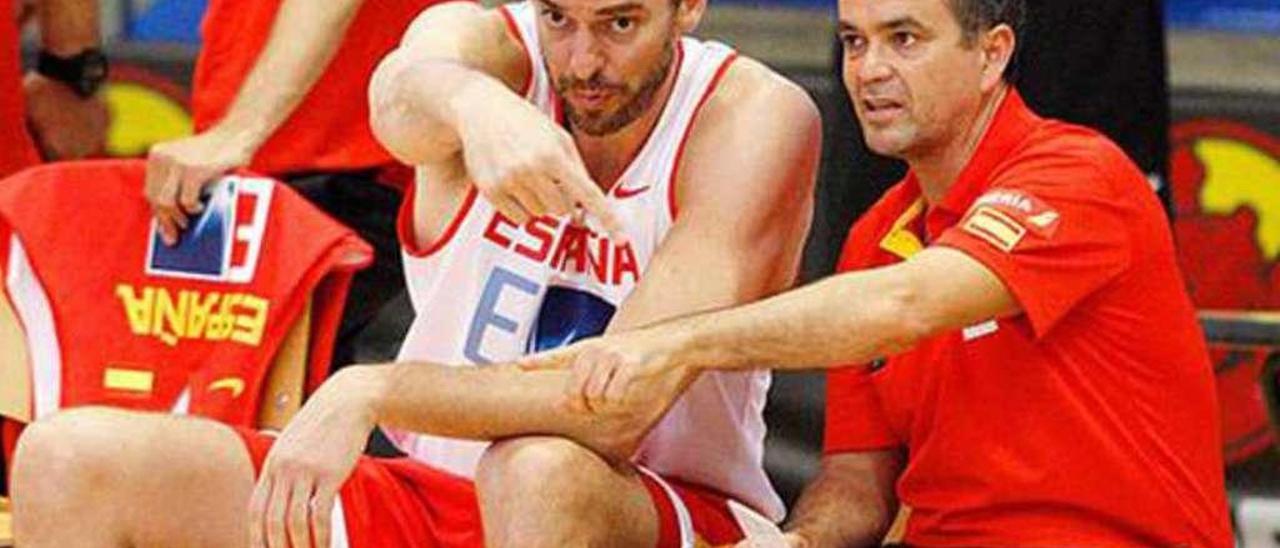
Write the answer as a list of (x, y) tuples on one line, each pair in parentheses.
[(688, 14)]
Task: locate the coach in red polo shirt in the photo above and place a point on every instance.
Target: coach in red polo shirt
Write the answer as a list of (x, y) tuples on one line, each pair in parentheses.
[(1027, 367)]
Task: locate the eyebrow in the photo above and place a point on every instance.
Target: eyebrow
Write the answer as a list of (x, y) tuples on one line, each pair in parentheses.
[(899, 23), (625, 7)]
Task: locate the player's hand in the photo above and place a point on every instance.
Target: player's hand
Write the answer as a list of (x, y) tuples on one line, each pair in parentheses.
[(65, 125), (178, 170), (525, 164), (635, 372), (294, 496)]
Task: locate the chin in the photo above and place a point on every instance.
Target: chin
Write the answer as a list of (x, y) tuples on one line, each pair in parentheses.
[(884, 145)]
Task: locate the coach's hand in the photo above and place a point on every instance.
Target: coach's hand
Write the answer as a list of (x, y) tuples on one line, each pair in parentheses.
[(525, 164), (636, 372), (315, 454), (178, 170)]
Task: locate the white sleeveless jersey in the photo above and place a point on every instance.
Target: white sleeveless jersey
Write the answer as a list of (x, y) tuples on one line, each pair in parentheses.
[(491, 291)]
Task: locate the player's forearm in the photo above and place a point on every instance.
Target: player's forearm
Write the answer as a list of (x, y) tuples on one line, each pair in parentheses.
[(487, 403), (68, 27), (304, 39)]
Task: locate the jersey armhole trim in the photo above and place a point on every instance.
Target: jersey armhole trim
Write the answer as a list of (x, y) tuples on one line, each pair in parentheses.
[(408, 238), (673, 207)]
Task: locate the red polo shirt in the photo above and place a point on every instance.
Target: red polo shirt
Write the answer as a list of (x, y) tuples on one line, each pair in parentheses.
[(1089, 419), (16, 148), (330, 128)]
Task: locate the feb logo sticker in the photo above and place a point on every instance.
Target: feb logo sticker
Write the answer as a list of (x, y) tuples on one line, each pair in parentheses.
[(1003, 218), (223, 242)]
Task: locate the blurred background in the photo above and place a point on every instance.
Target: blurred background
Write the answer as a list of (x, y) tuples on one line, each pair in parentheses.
[(1190, 88)]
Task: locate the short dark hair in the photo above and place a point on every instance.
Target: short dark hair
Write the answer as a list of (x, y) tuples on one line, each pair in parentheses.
[(978, 16)]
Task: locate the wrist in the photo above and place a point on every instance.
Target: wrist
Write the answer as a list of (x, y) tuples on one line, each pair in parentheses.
[(365, 385), (243, 137), (83, 72)]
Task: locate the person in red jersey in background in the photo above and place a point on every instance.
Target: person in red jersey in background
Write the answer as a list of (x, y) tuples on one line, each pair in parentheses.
[(1025, 364), (280, 88), (54, 112)]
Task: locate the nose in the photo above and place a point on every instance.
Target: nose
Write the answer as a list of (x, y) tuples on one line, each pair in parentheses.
[(871, 67), (586, 58)]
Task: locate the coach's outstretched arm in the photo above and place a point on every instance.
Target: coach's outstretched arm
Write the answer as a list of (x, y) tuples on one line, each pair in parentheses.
[(849, 318), (304, 38), (449, 91)]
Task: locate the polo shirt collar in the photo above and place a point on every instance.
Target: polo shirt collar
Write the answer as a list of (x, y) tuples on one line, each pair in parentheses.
[(1010, 125)]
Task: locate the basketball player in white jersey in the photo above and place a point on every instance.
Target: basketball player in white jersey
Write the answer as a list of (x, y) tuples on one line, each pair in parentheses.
[(695, 167)]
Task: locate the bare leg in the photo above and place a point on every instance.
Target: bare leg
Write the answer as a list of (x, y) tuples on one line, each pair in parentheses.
[(98, 477), (541, 491)]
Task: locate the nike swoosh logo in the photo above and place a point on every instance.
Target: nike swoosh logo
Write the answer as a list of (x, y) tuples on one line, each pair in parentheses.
[(623, 193), (233, 384)]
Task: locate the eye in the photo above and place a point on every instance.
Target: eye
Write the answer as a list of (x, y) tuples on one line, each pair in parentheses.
[(853, 43), (554, 18), (622, 24), (904, 39)]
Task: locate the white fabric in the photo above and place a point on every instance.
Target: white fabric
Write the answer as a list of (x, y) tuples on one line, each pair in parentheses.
[(478, 297), (338, 525), (32, 306)]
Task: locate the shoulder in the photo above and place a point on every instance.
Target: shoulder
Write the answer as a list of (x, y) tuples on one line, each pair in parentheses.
[(1064, 157), (754, 144), (755, 118), (750, 92)]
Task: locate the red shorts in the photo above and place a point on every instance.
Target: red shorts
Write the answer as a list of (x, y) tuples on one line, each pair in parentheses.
[(402, 502)]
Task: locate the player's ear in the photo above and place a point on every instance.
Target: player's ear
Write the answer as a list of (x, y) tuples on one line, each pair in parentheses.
[(688, 14)]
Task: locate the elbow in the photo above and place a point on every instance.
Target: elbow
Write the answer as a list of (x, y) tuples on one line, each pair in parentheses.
[(384, 103), (395, 117)]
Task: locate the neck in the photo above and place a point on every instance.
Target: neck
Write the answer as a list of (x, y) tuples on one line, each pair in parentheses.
[(937, 169), (606, 156)]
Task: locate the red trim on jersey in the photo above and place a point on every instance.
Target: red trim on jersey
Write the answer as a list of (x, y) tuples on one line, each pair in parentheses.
[(404, 224), (514, 29), (706, 96)]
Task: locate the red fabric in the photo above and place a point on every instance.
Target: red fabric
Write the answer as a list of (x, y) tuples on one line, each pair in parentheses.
[(9, 432), (713, 523), (402, 502), (110, 313), (330, 128), (398, 502), (1088, 420), (16, 148)]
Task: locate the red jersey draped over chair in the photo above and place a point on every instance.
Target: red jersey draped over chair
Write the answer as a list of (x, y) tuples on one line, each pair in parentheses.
[(99, 312)]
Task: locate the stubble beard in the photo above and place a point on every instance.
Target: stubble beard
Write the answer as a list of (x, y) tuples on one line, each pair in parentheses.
[(599, 125)]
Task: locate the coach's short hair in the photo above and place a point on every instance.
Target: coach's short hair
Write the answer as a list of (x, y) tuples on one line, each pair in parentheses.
[(978, 16)]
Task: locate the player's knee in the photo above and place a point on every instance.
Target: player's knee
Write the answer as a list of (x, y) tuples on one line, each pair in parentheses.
[(66, 452), (535, 463)]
